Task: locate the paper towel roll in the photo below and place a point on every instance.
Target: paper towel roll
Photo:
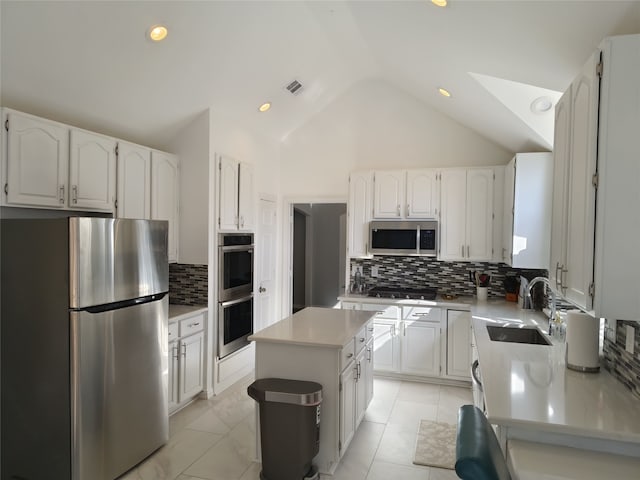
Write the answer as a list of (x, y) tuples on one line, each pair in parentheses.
[(582, 341)]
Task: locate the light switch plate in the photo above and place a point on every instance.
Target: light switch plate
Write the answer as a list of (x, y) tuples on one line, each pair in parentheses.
[(374, 271), (631, 339)]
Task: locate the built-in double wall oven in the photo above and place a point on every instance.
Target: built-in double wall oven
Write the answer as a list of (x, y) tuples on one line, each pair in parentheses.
[(235, 291)]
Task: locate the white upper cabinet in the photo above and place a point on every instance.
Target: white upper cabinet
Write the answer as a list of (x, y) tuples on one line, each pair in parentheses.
[(134, 181), (37, 161), (388, 197), (466, 227), (245, 197), (236, 195), (594, 256), (527, 210), (412, 194), (359, 213), (92, 171), (164, 196), (423, 195)]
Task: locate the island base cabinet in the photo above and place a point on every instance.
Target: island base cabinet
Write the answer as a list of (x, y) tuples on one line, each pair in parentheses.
[(346, 392)]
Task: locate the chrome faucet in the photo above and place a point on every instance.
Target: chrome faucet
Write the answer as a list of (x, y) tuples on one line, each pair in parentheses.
[(552, 314)]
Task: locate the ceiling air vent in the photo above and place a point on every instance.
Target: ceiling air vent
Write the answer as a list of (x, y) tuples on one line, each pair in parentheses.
[(295, 87)]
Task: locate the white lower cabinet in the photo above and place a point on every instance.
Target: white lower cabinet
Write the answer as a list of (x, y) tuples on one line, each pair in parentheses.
[(186, 360), (356, 388), (459, 344), (419, 341)]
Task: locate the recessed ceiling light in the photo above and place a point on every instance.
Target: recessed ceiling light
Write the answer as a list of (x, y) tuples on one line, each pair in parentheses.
[(439, 3), (158, 33), (265, 106), (541, 104), (444, 92)]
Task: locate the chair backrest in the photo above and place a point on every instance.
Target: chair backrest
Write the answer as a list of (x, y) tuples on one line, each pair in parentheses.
[(478, 453)]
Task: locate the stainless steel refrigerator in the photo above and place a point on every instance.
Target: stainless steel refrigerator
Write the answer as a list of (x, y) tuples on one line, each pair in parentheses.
[(83, 346)]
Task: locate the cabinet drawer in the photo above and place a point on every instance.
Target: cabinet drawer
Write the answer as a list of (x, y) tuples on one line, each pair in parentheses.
[(347, 354), (361, 339), (191, 325), (390, 312), (423, 314), (174, 331), (350, 306)]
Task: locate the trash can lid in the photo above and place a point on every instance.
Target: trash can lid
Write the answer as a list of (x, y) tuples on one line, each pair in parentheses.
[(282, 390)]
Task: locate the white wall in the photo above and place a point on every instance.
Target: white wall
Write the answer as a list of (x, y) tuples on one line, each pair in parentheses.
[(375, 125), (192, 147)]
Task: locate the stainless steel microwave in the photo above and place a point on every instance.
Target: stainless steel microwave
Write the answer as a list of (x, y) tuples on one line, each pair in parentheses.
[(404, 238)]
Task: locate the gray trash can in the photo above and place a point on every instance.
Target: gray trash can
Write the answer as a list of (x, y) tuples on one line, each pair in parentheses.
[(289, 427)]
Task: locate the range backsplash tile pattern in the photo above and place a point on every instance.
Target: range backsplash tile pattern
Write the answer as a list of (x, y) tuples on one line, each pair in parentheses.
[(188, 284), (447, 277), (622, 364)]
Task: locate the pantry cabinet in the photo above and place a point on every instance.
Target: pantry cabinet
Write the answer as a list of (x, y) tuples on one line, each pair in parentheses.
[(235, 205), (359, 213), (528, 186), (406, 194), (466, 227)]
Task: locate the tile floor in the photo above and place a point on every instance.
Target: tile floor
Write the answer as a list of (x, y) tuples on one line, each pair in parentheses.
[(215, 439)]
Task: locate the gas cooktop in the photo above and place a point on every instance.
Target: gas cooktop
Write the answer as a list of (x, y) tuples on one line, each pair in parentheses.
[(426, 293)]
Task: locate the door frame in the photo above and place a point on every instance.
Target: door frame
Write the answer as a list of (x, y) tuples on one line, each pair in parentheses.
[(287, 244)]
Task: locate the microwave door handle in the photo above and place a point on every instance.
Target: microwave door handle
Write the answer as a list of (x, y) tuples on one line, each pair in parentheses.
[(237, 300)]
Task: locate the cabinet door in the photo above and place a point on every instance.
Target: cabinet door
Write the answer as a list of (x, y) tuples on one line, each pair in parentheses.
[(423, 196), (561, 152), (347, 405), (385, 344), (582, 194), (191, 366), (164, 196), (458, 343), (134, 181), (37, 162), (367, 374), (92, 171), (359, 215), (507, 220), (479, 215), (361, 386), (453, 188), (350, 306), (245, 197), (174, 355), (228, 199), (388, 194), (421, 348)]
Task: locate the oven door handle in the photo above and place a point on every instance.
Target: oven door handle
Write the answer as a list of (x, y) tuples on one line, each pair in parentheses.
[(237, 248), (474, 374), (237, 300)]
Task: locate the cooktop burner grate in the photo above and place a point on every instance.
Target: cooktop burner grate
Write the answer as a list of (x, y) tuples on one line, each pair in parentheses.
[(426, 293)]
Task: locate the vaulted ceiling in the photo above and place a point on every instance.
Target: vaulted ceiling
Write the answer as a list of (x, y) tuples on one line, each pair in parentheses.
[(90, 63)]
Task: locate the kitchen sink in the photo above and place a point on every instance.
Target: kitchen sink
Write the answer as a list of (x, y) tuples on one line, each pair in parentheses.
[(529, 335)]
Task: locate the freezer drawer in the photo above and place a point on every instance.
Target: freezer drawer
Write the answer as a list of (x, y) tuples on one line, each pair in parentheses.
[(119, 375)]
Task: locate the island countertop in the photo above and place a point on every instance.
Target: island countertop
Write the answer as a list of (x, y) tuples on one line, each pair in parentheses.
[(316, 326)]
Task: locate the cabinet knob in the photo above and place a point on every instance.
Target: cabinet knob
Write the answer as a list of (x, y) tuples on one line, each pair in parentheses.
[(194, 324), (262, 289), (350, 355), (362, 339)]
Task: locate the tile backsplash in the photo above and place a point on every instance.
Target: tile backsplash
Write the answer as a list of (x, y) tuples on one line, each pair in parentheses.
[(447, 277), (188, 284), (623, 365)]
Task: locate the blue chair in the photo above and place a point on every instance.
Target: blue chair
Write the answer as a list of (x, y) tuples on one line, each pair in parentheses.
[(478, 453)]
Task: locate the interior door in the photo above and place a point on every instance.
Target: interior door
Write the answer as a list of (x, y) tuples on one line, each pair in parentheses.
[(265, 264)]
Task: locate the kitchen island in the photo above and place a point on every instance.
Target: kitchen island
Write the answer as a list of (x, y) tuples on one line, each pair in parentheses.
[(334, 348)]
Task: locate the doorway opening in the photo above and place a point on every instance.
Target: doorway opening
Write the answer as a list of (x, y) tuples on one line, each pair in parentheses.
[(318, 254)]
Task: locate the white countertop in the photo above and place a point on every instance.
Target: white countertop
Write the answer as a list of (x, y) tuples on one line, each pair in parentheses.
[(460, 303), (323, 327), (179, 312), (529, 386)]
